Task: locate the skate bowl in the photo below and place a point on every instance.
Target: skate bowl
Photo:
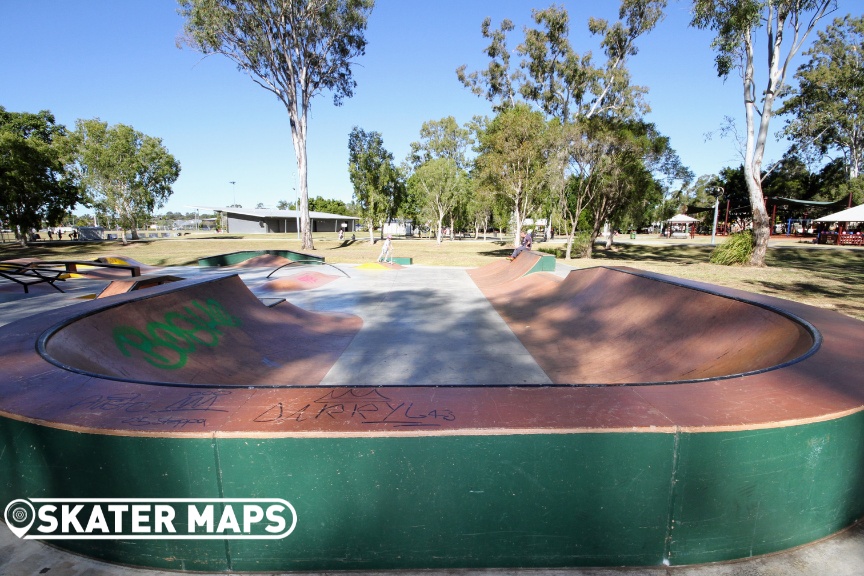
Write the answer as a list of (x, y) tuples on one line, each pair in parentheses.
[(266, 258), (730, 425)]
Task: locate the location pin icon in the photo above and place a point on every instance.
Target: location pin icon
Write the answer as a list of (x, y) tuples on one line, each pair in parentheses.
[(19, 516)]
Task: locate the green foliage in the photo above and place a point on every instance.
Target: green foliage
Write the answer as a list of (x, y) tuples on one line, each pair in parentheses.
[(378, 185), (572, 90), (737, 249), (35, 184), (514, 158), (497, 82), (562, 83), (738, 27), (442, 139), (319, 204), (440, 186), (296, 50), (826, 109), (126, 174), (733, 22), (637, 159)]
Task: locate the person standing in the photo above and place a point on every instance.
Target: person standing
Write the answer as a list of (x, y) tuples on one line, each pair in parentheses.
[(386, 250)]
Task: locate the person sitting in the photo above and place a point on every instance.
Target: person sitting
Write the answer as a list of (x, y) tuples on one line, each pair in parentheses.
[(525, 244)]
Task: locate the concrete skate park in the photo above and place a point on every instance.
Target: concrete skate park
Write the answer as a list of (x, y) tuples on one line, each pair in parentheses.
[(433, 418)]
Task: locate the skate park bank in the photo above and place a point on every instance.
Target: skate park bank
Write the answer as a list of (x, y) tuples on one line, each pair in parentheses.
[(437, 418)]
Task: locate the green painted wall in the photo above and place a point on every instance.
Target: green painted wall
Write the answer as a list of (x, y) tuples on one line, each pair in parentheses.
[(544, 500), (545, 264), (742, 494)]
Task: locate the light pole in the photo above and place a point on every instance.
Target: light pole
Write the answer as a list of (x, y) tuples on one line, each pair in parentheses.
[(234, 193), (718, 192)]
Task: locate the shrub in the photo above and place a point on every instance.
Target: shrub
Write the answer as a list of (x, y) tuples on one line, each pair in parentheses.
[(735, 250), (581, 241)]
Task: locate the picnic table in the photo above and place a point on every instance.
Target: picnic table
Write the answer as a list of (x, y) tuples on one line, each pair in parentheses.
[(27, 274)]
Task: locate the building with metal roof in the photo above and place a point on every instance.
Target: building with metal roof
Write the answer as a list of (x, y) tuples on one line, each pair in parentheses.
[(267, 220)]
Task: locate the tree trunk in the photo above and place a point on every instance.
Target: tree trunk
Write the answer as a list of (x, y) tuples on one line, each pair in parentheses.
[(298, 138), (753, 152), (571, 234), (517, 217)]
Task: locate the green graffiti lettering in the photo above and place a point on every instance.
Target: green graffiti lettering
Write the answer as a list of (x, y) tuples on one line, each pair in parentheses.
[(126, 337), (167, 344)]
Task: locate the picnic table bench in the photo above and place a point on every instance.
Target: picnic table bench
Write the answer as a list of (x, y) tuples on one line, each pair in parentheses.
[(71, 266), (27, 275)]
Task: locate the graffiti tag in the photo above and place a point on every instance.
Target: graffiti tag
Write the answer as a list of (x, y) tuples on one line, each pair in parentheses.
[(167, 344), (369, 406)]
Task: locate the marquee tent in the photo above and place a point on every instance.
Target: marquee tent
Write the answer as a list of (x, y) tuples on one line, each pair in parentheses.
[(682, 219), (854, 214)]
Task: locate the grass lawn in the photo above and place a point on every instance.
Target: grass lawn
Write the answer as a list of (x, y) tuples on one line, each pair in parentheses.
[(828, 277)]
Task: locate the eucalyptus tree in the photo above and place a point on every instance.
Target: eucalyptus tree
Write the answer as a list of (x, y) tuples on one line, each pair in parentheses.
[(738, 25), (125, 174), (377, 182), (442, 185), (568, 87), (638, 165), (826, 109), (586, 155), (296, 49), (480, 208), (35, 182), (514, 151), (442, 139), (439, 163), (498, 83)]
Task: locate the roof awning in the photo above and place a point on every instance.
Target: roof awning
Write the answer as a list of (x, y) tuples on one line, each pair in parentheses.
[(854, 214)]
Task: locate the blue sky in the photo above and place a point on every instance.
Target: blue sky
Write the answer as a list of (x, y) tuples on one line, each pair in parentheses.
[(117, 60)]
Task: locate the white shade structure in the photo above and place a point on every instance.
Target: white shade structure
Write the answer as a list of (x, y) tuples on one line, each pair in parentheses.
[(854, 214), (682, 219)]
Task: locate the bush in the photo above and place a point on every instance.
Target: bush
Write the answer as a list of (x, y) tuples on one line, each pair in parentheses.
[(737, 249), (581, 242)]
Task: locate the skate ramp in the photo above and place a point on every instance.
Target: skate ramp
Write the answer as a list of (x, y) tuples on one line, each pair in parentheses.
[(610, 326), (301, 281), (506, 270), (215, 333), (247, 258), (263, 261)]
